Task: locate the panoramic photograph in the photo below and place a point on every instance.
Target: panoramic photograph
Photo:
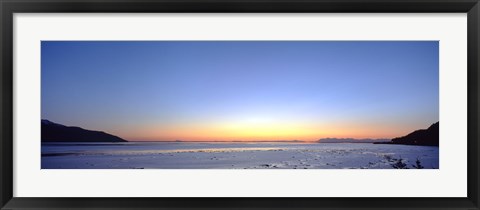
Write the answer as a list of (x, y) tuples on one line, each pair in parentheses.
[(239, 105)]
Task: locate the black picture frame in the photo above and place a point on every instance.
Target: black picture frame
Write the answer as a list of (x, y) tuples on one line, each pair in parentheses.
[(9, 7)]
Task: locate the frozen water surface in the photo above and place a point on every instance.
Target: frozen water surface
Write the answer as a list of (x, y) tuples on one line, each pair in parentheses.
[(187, 155)]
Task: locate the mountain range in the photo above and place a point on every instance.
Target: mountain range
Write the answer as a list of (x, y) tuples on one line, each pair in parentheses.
[(424, 137), (427, 137), (54, 132)]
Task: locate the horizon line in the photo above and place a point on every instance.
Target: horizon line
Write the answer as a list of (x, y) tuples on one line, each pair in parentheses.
[(355, 139)]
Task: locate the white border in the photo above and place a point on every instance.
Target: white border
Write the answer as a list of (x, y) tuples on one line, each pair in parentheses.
[(448, 181)]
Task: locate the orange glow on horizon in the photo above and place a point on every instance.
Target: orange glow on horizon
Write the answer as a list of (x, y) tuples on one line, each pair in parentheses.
[(267, 131)]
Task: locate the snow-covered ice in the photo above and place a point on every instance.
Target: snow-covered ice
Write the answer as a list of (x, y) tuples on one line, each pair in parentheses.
[(187, 155)]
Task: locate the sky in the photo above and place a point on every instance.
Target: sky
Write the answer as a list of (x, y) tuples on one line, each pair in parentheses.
[(241, 90)]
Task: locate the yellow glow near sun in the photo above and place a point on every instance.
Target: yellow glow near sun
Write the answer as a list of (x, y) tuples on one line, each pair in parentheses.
[(259, 128)]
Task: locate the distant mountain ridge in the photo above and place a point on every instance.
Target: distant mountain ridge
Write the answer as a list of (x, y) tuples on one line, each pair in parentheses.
[(350, 140), (54, 132)]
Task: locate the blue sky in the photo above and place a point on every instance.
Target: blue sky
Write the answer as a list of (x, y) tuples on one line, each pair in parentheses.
[(241, 90)]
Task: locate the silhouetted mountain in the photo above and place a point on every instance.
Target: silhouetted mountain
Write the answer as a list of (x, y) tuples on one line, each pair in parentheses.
[(425, 137), (350, 140), (54, 132)]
